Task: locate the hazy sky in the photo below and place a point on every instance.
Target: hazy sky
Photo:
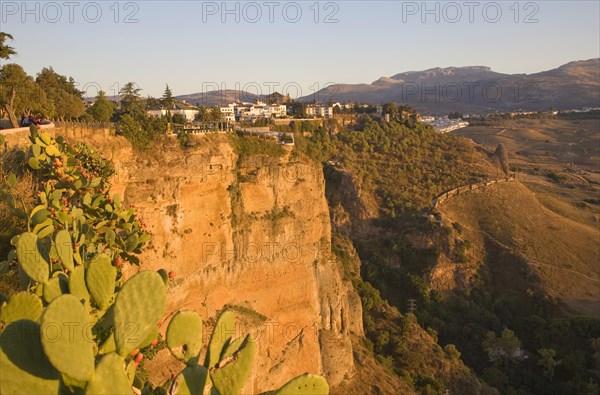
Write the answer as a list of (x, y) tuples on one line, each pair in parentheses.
[(193, 45)]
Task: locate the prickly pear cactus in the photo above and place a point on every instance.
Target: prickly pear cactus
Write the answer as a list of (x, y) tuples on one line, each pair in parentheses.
[(21, 306), (224, 330), (184, 336), (31, 259), (77, 286), (304, 384), (150, 338), (56, 286), (165, 276), (110, 377), (231, 373), (71, 354), (138, 306), (24, 367), (190, 381), (231, 347), (64, 248), (100, 278)]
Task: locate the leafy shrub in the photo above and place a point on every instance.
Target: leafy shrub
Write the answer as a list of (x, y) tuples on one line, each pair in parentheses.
[(451, 351)]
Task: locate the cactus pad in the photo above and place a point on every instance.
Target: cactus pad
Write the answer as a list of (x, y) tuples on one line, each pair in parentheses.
[(108, 345), (100, 278), (184, 336), (110, 377), (24, 367), (190, 381), (231, 373), (165, 276), (304, 384), (77, 285), (130, 370), (64, 248), (56, 286), (31, 259), (138, 308), (66, 338), (21, 306), (231, 347), (223, 332), (150, 338)]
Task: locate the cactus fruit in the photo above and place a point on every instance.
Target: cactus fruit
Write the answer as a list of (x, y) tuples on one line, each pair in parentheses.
[(184, 336), (110, 377), (138, 358), (100, 278), (21, 306), (56, 286), (24, 367), (64, 248), (231, 373), (304, 384), (66, 338), (139, 306), (31, 259), (190, 381), (222, 333)]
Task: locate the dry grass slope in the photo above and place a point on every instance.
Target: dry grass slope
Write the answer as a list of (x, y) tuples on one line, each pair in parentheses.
[(522, 240)]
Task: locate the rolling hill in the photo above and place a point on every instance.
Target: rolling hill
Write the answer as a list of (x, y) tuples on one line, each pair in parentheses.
[(478, 89)]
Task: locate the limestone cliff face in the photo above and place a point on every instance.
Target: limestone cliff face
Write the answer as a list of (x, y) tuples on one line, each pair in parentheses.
[(254, 235)]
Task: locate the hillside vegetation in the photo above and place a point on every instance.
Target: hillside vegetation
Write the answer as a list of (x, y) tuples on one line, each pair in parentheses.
[(498, 272)]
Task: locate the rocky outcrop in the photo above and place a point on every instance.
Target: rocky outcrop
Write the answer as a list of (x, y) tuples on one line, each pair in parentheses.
[(253, 235)]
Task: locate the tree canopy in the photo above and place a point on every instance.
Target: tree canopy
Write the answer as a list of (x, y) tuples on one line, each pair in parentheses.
[(66, 99), (103, 109), (167, 99), (5, 51)]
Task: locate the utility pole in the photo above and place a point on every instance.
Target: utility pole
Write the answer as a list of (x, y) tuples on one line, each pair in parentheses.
[(412, 305)]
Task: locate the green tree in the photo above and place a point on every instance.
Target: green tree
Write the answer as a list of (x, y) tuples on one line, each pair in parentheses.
[(19, 94), (503, 158), (215, 114), (179, 118), (547, 361), (203, 114), (503, 347), (131, 101), (6, 51), (103, 109), (167, 99), (133, 131), (62, 92), (152, 102), (392, 109)]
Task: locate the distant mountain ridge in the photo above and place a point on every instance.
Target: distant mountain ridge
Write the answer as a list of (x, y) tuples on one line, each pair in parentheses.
[(478, 89), (470, 89)]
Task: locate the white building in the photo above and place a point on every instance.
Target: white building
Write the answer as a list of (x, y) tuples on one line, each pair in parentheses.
[(228, 112), (319, 110), (251, 111), (189, 112)]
